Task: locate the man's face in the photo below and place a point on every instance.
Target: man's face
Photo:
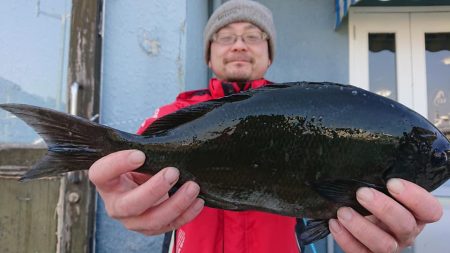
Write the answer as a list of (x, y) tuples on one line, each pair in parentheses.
[(239, 61)]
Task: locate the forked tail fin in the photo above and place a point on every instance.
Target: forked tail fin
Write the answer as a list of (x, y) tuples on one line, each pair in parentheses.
[(73, 143)]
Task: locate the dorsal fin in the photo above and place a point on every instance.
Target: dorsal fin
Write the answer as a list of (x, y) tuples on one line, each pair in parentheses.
[(187, 114), (274, 86)]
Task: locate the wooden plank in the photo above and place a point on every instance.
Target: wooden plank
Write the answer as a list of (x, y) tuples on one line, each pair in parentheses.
[(77, 212), (27, 210), (27, 215), (85, 55), (76, 216)]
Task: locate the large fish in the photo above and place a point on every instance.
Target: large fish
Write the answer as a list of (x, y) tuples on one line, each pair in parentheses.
[(295, 149)]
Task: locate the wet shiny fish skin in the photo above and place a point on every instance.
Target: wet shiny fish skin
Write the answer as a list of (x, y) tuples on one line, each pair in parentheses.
[(296, 149)]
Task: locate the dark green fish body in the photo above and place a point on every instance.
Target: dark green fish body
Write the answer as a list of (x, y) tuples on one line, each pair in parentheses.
[(296, 149)]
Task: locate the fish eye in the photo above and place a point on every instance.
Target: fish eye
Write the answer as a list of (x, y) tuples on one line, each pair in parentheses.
[(438, 158)]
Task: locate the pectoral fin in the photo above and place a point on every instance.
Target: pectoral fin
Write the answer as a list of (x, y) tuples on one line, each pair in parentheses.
[(343, 192)]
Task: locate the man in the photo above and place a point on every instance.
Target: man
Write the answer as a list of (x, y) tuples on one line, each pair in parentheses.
[(239, 48)]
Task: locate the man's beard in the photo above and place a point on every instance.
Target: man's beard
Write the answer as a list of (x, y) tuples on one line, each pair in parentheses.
[(240, 75), (238, 80)]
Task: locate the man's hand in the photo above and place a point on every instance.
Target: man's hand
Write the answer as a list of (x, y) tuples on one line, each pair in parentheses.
[(139, 201), (392, 226)]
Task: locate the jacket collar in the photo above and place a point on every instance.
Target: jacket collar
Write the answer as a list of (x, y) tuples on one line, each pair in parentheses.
[(219, 88)]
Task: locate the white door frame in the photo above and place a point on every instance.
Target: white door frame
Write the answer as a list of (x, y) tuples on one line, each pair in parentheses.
[(422, 23), (410, 54), (364, 23)]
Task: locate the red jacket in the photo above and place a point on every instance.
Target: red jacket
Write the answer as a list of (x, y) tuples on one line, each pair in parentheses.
[(222, 231)]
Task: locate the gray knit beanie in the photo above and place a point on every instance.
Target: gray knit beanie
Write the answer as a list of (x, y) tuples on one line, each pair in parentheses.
[(236, 11)]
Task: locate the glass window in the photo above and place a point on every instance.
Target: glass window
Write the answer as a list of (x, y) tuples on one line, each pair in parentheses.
[(34, 39), (437, 54), (382, 64)]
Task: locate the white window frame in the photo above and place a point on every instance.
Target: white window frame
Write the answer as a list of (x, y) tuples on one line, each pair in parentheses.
[(422, 23), (409, 24)]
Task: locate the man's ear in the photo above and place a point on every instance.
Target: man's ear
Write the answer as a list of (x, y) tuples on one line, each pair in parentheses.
[(209, 63)]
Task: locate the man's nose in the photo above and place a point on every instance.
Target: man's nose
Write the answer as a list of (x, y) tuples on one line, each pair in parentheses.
[(239, 44)]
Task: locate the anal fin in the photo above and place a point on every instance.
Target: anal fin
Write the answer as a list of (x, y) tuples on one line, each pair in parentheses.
[(314, 230)]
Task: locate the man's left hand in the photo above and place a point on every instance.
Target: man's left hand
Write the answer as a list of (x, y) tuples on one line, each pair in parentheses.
[(392, 226)]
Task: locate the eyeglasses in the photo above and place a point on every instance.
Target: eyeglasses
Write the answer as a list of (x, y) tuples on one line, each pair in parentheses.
[(250, 38)]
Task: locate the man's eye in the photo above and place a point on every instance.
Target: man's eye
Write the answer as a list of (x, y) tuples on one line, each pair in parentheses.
[(225, 38), (252, 37)]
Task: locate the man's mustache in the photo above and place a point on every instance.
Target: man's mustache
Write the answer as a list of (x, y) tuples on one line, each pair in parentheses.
[(240, 57)]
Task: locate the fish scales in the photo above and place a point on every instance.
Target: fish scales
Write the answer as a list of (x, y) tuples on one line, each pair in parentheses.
[(274, 149), (296, 149)]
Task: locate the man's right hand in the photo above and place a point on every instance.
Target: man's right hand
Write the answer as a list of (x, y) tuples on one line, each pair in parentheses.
[(139, 201)]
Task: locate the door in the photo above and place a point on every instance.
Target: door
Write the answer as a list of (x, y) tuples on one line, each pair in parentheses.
[(380, 51), (404, 54), (430, 41)]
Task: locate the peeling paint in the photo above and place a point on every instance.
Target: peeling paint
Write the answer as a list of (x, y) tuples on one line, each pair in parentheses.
[(27, 198), (59, 211), (151, 46), (181, 56)]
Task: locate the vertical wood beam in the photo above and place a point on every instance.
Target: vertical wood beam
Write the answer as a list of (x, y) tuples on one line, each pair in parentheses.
[(77, 200)]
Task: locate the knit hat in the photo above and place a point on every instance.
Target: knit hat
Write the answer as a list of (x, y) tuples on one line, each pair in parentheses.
[(240, 11)]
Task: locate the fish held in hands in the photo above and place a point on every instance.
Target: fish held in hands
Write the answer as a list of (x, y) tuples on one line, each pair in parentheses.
[(296, 149)]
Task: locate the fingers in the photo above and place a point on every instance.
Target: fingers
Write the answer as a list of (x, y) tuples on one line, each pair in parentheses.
[(365, 232), (176, 211), (177, 204), (139, 178), (424, 206), (189, 214), (345, 239), (186, 217), (399, 220), (105, 172), (393, 226), (137, 200)]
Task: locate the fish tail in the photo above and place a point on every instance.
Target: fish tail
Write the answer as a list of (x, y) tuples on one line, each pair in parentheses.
[(73, 143)]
